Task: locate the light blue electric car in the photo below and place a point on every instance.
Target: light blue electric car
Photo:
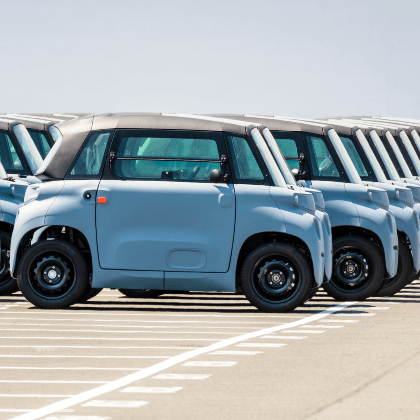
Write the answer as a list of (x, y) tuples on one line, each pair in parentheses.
[(164, 202), (365, 241), (400, 195)]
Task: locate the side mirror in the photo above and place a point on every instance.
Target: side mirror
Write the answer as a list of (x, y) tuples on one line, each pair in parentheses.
[(298, 174), (216, 175)]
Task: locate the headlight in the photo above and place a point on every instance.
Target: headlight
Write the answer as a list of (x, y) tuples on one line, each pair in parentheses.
[(405, 196), (305, 201), (379, 197), (31, 194), (319, 200)]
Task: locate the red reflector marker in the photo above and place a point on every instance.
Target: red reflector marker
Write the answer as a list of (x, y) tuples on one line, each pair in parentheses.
[(102, 200)]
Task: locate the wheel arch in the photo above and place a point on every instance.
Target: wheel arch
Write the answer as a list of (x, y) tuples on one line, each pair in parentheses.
[(51, 232), (261, 238)]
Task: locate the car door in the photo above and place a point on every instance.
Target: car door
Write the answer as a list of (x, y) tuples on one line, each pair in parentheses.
[(157, 209)]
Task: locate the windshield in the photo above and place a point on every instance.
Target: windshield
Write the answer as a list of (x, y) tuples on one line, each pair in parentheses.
[(278, 156), (344, 157), (56, 135), (383, 154), (376, 166), (268, 158), (40, 141), (357, 156), (411, 152), (28, 147), (398, 155)]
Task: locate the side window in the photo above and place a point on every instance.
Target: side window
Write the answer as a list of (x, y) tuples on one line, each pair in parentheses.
[(291, 145), (167, 155), (357, 159), (321, 159), (89, 162), (246, 168), (8, 155), (41, 142)]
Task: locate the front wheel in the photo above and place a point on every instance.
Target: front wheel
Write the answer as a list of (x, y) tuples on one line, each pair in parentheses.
[(8, 284), (141, 293), (405, 268), (358, 269), (89, 294), (53, 274), (276, 277)]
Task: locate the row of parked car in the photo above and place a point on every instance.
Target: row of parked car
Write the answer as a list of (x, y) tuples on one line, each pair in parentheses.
[(271, 207)]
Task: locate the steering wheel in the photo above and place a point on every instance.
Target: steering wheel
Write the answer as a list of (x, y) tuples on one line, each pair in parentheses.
[(194, 173)]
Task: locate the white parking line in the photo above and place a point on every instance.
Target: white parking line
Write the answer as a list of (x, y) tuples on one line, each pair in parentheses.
[(120, 332), (109, 338), (260, 345), (63, 368), (115, 404), (176, 360), (286, 337), (201, 322), (305, 331), (51, 382), (34, 395), (195, 315), (187, 376), (72, 356), (237, 352), (151, 389), (209, 364), (77, 418), (98, 347), (347, 321)]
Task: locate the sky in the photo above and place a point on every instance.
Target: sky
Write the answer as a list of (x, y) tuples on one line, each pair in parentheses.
[(303, 58)]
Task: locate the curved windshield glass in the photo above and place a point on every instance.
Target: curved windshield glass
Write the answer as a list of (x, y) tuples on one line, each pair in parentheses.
[(392, 171), (40, 141), (371, 156), (28, 147), (275, 173), (278, 156), (356, 157), (410, 149), (344, 157), (56, 135), (399, 155)]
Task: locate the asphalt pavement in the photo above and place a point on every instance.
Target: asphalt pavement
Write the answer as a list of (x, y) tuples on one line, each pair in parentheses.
[(210, 355)]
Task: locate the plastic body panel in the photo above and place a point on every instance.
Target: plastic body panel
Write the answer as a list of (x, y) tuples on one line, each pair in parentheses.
[(164, 225), (405, 218), (327, 236), (262, 209), (348, 205)]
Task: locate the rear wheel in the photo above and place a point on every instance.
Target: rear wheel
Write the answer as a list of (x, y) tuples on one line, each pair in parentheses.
[(141, 293), (53, 274), (358, 269), (405, 268), (276, 277), (8, 284)]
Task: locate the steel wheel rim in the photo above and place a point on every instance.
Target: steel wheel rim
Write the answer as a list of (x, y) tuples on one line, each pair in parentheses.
[(52, 275), (351, 269), (276, 279)]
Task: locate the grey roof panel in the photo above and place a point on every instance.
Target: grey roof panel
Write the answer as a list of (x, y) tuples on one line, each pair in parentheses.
[(276, 124)]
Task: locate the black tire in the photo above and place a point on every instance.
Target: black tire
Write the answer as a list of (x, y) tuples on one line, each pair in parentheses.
[(276, 277), (8, 284), (405, 269), (53, 274), (89, 294), (141, 293), (413, 277), (311, 294), (358, 269)]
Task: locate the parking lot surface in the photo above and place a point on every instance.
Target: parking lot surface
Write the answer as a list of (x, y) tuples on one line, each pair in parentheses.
[(210, 355)]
